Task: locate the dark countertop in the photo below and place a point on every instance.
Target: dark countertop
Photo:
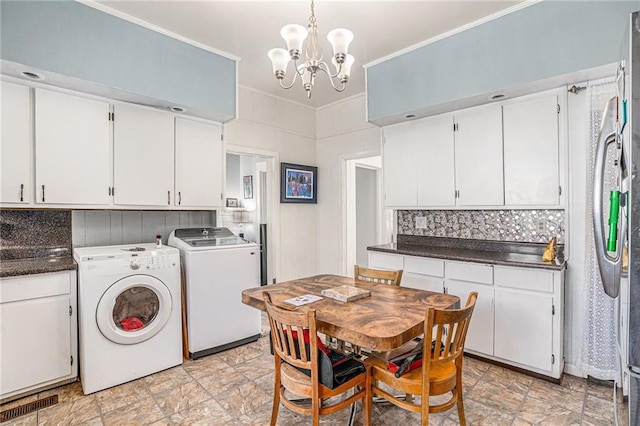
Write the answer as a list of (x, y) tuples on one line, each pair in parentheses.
[(16, 267), (528, 255)]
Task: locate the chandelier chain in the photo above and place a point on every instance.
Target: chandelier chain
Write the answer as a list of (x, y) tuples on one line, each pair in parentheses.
[(312, 18)]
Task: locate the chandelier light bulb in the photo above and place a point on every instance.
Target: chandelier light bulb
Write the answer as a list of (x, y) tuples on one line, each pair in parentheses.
[(345, 71), (294, 35), (279, 60), (340, 39)]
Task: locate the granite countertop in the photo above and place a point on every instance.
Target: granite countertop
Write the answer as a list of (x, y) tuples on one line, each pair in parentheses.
[(41, 265), (527, 255)]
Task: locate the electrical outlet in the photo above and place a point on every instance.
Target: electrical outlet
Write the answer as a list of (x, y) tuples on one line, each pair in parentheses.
[(421, 222), (541, 225)]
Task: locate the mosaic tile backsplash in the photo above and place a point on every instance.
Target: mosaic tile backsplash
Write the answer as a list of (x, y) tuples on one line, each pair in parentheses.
[(529, 226)]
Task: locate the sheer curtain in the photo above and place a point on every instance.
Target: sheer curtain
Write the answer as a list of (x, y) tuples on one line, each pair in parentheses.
[(598, 357)]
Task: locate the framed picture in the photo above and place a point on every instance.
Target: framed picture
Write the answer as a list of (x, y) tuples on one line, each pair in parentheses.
[(298, 184), (247, 184), (232, 202)]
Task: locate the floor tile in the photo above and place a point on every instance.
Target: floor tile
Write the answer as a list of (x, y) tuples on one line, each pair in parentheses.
[(243, 399), (70, 392), (142, 412), (167, 379), (207, 366), (598, 409), (208, 412), (119, 396), (224, 382), (26, 420), (75, 412), (499, 396), (181, 397)]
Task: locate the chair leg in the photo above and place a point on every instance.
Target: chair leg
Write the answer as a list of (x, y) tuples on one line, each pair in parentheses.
[(458, 390), (276, 395), (315, 404), (424, 403), (367, 400)]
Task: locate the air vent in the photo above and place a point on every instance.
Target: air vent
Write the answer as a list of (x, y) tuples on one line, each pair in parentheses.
[(27, 408)]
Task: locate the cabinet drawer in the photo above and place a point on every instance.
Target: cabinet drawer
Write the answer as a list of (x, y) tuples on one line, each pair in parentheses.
[(385, 261), (34, 286), (472, 272), (422, 282), (424, 266), (525, 279)]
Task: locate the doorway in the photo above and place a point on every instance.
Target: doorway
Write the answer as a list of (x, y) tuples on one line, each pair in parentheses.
[(367, 222), (251, 185)]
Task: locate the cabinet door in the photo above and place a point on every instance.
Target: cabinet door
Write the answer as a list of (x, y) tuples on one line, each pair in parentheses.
[(198, 164), (36, 342), (524, 328), (143, 156), (435, 164), (531, 175), (479, 166), (15, 144), (480, 334), (399, 164), (72, 149)]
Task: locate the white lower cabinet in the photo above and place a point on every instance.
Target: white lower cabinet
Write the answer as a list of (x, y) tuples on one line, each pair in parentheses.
[(461, 280), (518, 318), (529, 318), (38, 331)]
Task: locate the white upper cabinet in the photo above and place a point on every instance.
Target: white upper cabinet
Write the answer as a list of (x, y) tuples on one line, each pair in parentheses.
[(198, 160), (419, 164), (531, 152), (479, 165), (143, 159), (435, 162), (15, 144), (400, 164), (71, 149)]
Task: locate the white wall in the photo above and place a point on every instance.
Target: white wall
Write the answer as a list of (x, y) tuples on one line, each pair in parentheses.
[(341, 133), (267, 124)]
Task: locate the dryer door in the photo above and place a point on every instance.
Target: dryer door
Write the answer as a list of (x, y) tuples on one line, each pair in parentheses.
[(134, 309)]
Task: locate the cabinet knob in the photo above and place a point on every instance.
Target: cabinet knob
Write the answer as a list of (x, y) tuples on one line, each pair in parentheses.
[(169, 197), (21, 192), (43, 193)]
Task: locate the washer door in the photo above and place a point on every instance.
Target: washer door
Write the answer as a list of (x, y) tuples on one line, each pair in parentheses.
[(134, 309)]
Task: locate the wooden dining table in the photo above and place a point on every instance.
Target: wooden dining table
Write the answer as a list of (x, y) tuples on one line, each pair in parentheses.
[(388, 318)]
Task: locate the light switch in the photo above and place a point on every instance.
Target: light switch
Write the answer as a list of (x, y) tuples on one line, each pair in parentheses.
[(421, 222)]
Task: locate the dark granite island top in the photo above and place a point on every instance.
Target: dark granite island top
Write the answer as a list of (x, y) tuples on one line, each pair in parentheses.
[(528, 255)]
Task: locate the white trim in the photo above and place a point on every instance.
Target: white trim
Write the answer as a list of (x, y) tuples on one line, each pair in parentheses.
[(465, 27), (339, 101), (280, 98), (118, 14)]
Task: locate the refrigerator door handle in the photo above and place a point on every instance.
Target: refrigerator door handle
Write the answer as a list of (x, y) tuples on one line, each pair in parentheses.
[(609, 265)]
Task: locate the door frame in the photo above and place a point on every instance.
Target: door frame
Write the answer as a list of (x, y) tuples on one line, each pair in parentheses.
[(347, 209)]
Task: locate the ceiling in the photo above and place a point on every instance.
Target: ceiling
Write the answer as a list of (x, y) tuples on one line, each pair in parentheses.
[(248, 29)]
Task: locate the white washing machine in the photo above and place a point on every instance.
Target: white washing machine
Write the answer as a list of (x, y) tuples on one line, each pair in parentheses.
[(218, 266), (129, 313)]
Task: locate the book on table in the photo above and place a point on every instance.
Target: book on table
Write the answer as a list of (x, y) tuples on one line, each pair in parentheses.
[(346, 293)]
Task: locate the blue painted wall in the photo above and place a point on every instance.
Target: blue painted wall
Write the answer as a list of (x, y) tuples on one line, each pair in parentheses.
[(75, 40), (544, 40)]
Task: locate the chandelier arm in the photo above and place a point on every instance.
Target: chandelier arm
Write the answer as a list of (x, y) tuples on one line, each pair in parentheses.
[(295, 77), (325, 68), (344, 83), (301, 71)]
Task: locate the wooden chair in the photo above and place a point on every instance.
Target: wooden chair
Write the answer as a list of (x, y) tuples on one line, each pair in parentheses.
[(441, 371), (376, 275), (297, 371)]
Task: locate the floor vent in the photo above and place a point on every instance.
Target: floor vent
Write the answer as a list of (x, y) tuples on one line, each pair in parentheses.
[(27, 408)]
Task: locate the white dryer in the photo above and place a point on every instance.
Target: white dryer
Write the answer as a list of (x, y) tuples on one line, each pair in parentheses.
[(129, 313), (218, 266)]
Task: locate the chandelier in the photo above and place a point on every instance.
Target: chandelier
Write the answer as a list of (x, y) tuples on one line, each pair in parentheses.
[(297, 37)]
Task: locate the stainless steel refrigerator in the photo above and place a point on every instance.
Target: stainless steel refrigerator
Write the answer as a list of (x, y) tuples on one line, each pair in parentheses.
[(620, 225)]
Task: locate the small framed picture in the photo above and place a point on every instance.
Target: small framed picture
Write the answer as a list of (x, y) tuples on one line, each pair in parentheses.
[(298, 183), (247, 184), (232, 202)]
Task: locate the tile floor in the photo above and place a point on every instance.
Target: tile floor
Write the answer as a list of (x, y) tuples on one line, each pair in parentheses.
[(196, 393)]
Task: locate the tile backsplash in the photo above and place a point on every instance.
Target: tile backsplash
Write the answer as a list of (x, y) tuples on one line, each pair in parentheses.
[(531, 226)]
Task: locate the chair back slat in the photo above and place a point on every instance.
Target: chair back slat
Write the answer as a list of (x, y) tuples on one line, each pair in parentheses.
[(288, 329), (448, 329), (377, 275)]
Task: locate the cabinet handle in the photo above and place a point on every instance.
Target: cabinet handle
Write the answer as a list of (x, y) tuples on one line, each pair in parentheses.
[(43, 193), (179, 197), (22, 192), (169, 197)]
